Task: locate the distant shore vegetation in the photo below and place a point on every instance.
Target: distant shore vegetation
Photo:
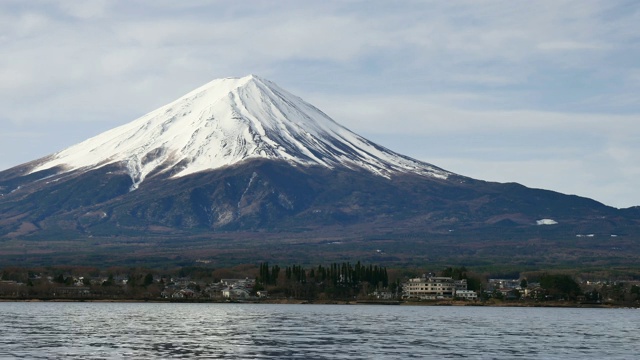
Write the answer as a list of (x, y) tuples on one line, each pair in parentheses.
[(335, 282)]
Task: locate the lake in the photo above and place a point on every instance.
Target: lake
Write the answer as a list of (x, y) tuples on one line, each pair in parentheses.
[(44, 330)]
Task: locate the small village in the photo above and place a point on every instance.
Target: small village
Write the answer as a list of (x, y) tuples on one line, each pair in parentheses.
[(334, 284)]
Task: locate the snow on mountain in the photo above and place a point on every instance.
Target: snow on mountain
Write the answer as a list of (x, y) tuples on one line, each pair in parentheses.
[(225, 122), (546, 222)]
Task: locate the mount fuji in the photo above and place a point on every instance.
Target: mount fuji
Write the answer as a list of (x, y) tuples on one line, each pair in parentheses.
[(241, 163), (226, 122)]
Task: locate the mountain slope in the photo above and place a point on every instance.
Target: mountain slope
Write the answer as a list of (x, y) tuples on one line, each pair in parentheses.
[(242, 156)]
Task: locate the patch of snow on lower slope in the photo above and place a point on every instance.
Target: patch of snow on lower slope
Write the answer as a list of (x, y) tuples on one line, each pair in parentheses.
[(546, 222)]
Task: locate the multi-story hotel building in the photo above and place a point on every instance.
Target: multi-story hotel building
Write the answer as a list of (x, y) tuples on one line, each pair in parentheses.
[(432, 287)]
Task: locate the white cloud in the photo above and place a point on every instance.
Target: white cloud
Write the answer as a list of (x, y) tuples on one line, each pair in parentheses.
[(85, 10), (570, 46), (445, 114)]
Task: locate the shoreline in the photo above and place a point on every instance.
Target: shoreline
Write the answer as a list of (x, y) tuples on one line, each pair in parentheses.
[(550, 304)]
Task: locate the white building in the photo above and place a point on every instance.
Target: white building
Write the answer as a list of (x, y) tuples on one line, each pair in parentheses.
[(467, 294), (429, 288), (460, 284), (435, 287), (235, 293)]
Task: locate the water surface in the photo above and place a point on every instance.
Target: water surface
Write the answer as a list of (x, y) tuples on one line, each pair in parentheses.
[(262, 331)]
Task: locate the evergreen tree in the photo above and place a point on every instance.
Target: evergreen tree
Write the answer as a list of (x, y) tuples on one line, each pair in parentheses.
[(560, 285), (275, 272), (148, 279)]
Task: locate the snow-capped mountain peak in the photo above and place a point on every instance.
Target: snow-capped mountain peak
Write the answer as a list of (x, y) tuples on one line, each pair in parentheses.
[(228, 121)]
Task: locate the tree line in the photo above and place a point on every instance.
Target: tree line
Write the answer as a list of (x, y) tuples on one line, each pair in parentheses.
[(337, 280)]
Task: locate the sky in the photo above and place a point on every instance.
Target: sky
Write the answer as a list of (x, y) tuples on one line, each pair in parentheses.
[(543, 93)]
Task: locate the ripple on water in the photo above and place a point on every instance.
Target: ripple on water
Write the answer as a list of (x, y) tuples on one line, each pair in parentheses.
[(246, 331)]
